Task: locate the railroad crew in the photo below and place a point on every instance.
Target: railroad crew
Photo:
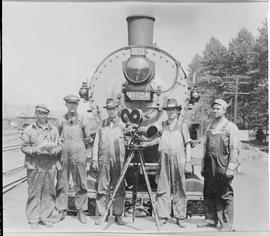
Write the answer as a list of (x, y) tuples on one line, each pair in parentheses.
[(174, 156), (73, 131), (41, 145), (108, 158), (219, 163)]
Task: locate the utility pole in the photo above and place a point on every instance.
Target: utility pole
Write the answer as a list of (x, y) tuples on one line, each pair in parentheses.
[(236, 93)]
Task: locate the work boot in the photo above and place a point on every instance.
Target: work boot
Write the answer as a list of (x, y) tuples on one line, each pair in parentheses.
[(98, 221), (34, 225), (82, 217), (205, 223), (61, 215), (118, 220), (47, 223), (226, 228), (163, 221), (181, 223)]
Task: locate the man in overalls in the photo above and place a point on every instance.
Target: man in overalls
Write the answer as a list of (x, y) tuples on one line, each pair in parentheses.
[(218, 166), (108, 158), (41, 146), (72, 128), (174, 157)]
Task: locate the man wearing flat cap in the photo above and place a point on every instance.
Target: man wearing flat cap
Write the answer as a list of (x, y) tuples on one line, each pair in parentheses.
[(219, 163), (41, 146), (73, 130), (108, 158), (174, 157)]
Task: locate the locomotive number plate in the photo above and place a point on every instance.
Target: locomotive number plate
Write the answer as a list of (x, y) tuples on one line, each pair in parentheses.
[(139, 96)]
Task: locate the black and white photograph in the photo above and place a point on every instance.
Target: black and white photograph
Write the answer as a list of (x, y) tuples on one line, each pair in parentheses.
[(135, 117)]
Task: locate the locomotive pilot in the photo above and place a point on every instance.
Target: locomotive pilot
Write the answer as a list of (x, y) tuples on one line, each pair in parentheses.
[(41, 145), (73, 132), (174, 157), (218, 166), (108, 158)]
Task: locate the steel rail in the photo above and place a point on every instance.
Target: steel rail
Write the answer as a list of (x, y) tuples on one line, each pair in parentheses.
[(11, 147), (13, 184), (13, 170)]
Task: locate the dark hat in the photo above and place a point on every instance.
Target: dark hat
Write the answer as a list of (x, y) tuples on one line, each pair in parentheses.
[(71, 98), (172, 103), (110, 103), (42, 108), (220, 102)]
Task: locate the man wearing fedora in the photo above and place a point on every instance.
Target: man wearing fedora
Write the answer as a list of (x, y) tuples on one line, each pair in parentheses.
[(108, 158), (174, 157), (219, 163), (73, 130), (41, 146)]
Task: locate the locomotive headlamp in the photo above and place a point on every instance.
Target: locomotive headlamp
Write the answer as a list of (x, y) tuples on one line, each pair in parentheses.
[(195, 96), (84, 91), (138, 69)]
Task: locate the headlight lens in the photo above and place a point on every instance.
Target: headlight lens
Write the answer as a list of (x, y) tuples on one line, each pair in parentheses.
[(137, 70)]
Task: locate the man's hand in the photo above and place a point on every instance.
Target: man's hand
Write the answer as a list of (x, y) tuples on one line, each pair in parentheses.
[(38, 150), (188, 167), (229, 174), (202, 172), (95, 165)]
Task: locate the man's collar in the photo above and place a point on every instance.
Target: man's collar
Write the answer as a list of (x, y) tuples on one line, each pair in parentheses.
[(69, 115), (115, 120), (37, 125), (172, 122)]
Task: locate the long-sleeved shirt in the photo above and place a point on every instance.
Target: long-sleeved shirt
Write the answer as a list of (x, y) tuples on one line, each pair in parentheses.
[(34, 136)]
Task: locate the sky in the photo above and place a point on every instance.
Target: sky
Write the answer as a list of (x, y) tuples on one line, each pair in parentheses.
[(49, 48)]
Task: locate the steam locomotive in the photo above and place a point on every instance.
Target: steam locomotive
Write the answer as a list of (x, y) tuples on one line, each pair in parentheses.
[(142, 77)]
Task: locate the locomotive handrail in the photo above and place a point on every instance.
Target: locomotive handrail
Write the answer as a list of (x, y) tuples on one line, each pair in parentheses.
[(177, 63)]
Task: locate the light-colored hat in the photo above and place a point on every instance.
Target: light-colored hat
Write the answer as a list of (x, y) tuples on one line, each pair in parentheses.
[(220, 102), (71, 98), (42, 108), (172, 103), (110, 103)]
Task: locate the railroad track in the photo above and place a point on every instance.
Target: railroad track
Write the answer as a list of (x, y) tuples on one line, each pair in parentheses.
[(15, 176), (14, 172), (9, 186), (11, 147)]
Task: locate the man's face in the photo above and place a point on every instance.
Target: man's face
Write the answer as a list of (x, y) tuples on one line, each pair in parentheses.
[(42, 117), (112, 112), (72, 107), (172, 113), (218, 111)]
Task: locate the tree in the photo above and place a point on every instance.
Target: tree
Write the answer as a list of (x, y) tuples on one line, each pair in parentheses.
[(240, 58), (259, 105), (246, 55), (209, 70)]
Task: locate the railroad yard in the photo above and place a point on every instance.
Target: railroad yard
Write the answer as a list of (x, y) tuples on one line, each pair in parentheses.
[(251, 201)]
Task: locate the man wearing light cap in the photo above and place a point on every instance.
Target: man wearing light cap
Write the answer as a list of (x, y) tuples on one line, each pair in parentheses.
[(108, 158), (219, 163), (73, 130), (41, 146)]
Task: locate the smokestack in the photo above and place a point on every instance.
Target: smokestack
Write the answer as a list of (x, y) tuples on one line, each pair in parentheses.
[(140, 30)]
